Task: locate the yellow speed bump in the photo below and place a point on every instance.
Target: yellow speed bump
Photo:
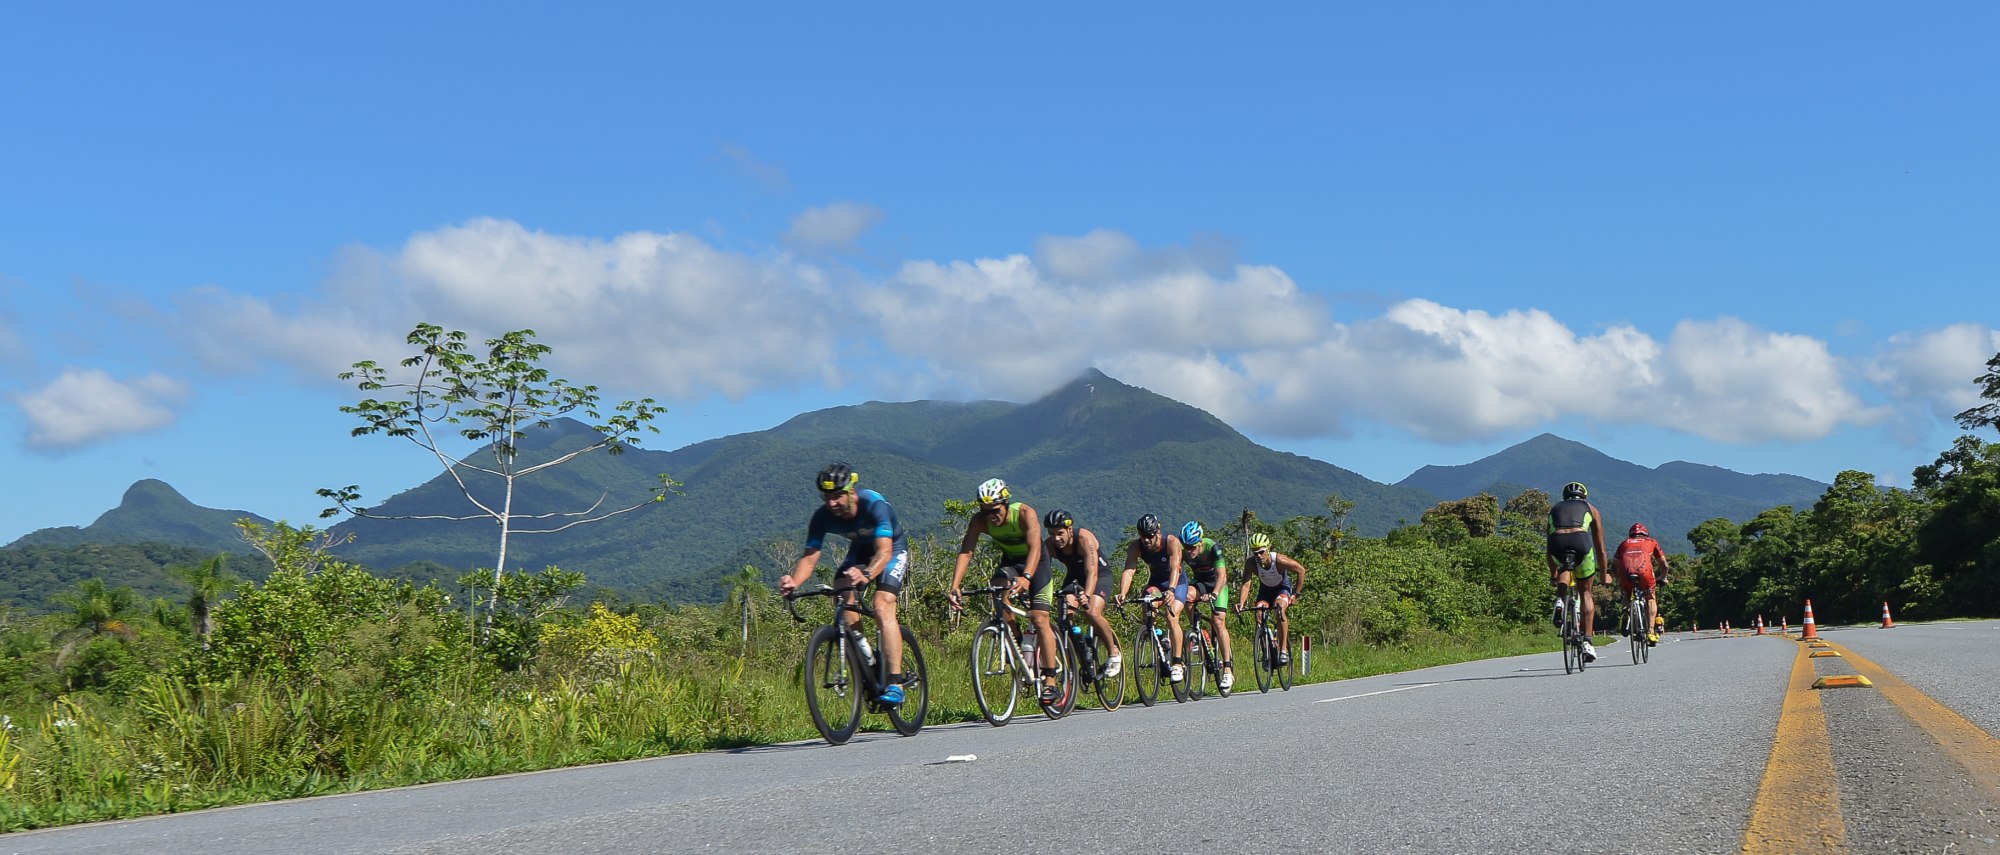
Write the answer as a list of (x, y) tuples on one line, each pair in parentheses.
[(1843, 681), (1822, 654)]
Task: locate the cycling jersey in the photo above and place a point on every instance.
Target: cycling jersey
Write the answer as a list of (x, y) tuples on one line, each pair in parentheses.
[(1160, 563), (1204, 565), (1269, 574), (1073, 562), (1011, 535), (1635, 555), (873, 518), (1570, 522)]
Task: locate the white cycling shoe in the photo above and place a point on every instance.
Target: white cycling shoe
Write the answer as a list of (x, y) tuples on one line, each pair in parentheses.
[(1228, 679), (1115, 666), (1589, 652), (1174, 673)]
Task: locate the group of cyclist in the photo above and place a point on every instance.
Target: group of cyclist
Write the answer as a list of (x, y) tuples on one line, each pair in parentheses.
[(1184, 569), (1190, 567), (1576, 537)]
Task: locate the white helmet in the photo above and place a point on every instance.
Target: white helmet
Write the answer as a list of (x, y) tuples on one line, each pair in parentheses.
[(994, 490)]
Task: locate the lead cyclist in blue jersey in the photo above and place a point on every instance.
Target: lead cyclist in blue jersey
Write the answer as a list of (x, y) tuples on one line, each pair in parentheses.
[(876, 552)]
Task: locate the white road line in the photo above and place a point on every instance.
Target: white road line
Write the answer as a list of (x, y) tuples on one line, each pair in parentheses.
[(1383, 692)]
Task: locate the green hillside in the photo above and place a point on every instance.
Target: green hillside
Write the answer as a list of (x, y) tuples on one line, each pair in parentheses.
[(1671, 499), (1105, 450), (152, 511)]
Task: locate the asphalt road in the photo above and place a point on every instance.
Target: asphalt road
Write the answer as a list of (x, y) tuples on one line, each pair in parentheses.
[(1501, 756)]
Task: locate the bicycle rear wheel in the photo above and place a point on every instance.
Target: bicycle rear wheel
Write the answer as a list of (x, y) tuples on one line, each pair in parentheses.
[(1195, 666), (1148, 667), (908, 716), (1265, 659), (1065, 681), (1635, 628), (1110, 690), (833, 696), (1288, 671), (1572, 650), (994, 683)]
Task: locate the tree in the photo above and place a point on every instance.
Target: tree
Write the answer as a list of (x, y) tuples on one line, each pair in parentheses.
[(1988, 414), (1337, 510), (210, 581), (493, 400), (744, 586)]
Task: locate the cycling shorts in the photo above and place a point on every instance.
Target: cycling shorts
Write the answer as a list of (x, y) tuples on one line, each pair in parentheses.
[(891, 579), (1041, 585), (1201, 588), (1646, 582), (1180, 590), (1268, 594), (1576, 543), (1103, 582)]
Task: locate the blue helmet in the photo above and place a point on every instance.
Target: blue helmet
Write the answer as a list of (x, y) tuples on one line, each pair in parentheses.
[(1191, 533)]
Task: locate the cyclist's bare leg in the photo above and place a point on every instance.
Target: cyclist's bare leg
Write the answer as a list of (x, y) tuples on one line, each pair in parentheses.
[(1589, 606), (1221, 627), (1284, 622), (1045, 647), (892, 635), (1103, 626), (1174, 625), (1653, 610)]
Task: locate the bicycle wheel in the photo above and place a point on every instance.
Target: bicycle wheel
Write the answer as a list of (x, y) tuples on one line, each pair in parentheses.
[(1147, 668), (1288, 672), (1110, 690), (1572, 651), (1266, 656), (908, 716), (994, 683), (1065, 681), (1635, 629), (1194, 666), (833, 696)]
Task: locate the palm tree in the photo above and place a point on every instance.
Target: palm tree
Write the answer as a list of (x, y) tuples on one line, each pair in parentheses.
[(96, 607), (211, 580), (745, 586)]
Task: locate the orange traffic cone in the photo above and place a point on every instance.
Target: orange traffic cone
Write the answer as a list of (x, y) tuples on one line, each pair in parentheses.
[(1725, 627), (1760, 624), (1784, 625), (1887, 623), (1811, 630)]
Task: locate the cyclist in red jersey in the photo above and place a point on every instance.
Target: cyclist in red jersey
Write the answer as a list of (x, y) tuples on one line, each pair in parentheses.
[(1636, 555)]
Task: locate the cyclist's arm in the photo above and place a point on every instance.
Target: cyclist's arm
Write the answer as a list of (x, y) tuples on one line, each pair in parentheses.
[(800, 572), (1131, 563), (880, 562), (1031, 526), (1665, 568), (1086, 545), (1173, 562), (1597, 536), (1298, 571), (965, 546)]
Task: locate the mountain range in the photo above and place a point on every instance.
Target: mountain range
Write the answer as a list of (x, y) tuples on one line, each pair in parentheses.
[(1104, 450)]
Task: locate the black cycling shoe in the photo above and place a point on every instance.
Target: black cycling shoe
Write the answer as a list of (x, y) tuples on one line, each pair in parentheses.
[(1051, 693)]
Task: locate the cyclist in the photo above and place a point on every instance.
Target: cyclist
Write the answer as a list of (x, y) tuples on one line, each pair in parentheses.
[(1636, 556), (1576, 528), (1162, 556), (1279, 579), (1077, 548), (1018, 533), (1208, 571), (876, 553)]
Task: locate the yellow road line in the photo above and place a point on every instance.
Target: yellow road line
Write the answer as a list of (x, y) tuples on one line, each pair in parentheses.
[(1798, 804), (1971, 746)]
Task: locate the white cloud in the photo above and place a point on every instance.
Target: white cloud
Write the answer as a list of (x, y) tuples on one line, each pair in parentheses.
[(835, 226), (665, 315), (83, 406), (1937, 369)]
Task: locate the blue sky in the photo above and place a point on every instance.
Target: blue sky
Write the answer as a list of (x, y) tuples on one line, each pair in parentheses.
[(1383, 235)]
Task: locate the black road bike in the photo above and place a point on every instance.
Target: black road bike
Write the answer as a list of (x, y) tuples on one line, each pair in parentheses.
[(1276, 662), (1572, 616), (1150, 653), (842, 672), (1087, 650), (1204, 658)]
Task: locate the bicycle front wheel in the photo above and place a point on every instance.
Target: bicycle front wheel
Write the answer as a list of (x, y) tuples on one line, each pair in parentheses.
[(1195, 666), (1065, 681), (1288, 671), (833, 696), (994, 683), (1265, 659), (908, 716), (1147, 667)]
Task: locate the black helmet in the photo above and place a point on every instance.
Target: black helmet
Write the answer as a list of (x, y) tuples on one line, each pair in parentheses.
[(837, 477), (1058, 518), (1575, 490), (1149, 525)]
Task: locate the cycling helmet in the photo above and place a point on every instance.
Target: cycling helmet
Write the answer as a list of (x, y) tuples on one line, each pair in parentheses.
[(1639, 530), (994, 490), (1058, 518), (1575, 490), (1191, 533), (1260, 540), (1149, 525), (837, 477)]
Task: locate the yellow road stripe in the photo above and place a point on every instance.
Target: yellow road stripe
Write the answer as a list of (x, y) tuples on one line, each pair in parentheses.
[(1798, 804), (1971, 746)]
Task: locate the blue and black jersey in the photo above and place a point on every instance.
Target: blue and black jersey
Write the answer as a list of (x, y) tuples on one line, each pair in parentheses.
[(873, 518)]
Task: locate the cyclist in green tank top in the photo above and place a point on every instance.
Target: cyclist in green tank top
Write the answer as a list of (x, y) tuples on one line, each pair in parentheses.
[(1017, 532)]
